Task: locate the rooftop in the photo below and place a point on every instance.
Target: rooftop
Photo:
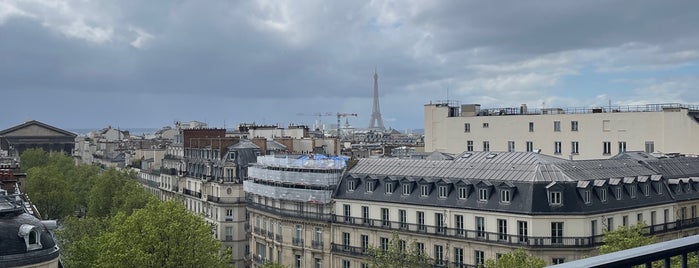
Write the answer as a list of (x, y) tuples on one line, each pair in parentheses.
[(524, 110)]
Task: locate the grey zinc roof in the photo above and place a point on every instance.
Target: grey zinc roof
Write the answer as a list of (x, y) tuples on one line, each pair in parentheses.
[(507, 166)]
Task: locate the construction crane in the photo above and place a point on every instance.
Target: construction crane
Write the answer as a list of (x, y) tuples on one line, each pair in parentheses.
[(319, 115), (340, 115)]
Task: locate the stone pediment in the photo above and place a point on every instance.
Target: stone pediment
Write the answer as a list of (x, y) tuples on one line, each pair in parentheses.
[(35, 129)]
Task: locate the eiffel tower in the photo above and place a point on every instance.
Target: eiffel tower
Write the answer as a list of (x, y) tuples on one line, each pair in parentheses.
[(376, 121)]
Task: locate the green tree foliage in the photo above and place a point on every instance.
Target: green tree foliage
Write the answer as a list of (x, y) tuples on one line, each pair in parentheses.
[(163, 234), (273, 265), (115, 191), (50, 192), (33, 157), (516, 258), (625, 237), (397, 256), (78, 238)]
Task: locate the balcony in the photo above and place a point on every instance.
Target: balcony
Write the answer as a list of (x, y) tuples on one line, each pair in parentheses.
[(361, 252), (270, 235), (225, 200), (290, 213), (191, 193), (279, 238), (317, 244), (509, 239), (297, 242)]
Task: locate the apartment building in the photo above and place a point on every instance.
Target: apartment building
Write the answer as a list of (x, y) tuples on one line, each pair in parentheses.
[(571, 133), (289, 201), (206, 172), (478, 205)]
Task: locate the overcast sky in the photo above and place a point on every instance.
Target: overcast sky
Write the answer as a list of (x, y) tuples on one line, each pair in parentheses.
[(133, 63)]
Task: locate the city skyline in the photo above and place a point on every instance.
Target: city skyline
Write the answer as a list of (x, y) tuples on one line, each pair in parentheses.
[(134, 64)]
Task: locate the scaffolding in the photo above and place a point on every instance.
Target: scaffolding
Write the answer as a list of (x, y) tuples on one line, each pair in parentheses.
[(292, 194)]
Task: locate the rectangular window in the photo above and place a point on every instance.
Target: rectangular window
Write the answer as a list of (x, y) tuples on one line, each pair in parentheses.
[(385, 218), (402, 245), (593, 228), (573, 125), (586, 196), (522, 231), (632, 191), (486, 146), (558, 260), (319, 263), (469, 146), (510, 146), (639, 218), (574, 149), (463, 193), (369, 186), (420, 247), (693, 210), (659, 186), (610, 224), (347, 213), (350, 185), (666, 215), (482, 194), (650, 147), (557, 232), (557, 147), (652, 218), (364, 242), (486, 125), (345, 239), (389, 188), (502, 229), (467, 127), (406, 189), (555, 198), (345, 264), (298, 261), (606, 147), (617, 193), (622, 147), (442, 191), (557, 126), (439, 254), (625, 220), (459, 257), (424, 190), (480, 226), (384, 243), (646, 189), (403, 218), (439, 223), (479, 258), (421, 221), (505, 196), (603, 195), (459, 224), (365, 214), (530, 146), (531, 126)]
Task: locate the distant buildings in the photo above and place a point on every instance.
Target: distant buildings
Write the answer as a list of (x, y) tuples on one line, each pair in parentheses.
[(574, 133), (34, 134)]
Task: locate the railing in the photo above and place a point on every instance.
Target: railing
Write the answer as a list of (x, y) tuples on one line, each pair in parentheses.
[(191, 193), (362, 252), (585, 110), (297, 242), (225, 200), (150, 183), (270, 235), (317, 244), (229, 238), (290, 213), (662, 251), (510, 239), (279, 238)]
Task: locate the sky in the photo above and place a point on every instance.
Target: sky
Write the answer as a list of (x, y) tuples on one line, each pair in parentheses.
[(133, 63)]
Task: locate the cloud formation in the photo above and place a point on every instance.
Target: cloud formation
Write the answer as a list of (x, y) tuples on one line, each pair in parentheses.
[(140, 64)]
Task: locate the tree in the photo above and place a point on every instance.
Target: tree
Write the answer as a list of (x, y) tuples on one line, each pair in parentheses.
[(516, 258), (33, 157), (399, 254), (78, 238), (625, 237), (273, 265), (163, 234), (105, 198), (49, 192)]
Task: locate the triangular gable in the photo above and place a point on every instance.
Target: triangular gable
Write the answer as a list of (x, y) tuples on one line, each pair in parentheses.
[(36, 129)]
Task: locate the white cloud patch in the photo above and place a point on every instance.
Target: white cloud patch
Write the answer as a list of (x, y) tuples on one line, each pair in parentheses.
[(142, 39), (78, 29), (8, 10)]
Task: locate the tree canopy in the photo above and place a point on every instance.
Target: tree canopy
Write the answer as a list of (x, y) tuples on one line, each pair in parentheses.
[(399, 254), (516, 258), (625, 237)]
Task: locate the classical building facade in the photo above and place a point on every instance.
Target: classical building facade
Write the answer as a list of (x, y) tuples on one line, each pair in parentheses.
[(478, 205), (290, 209), (574, 133), (34, 134), (206, 172)]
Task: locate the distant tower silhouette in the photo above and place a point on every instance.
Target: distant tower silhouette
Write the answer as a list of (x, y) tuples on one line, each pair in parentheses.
[(376, 121)]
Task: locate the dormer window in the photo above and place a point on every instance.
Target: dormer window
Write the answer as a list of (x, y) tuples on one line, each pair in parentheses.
[(31, 236), (406, 189), (463, 193), (370, 186), (424, 190), (231, 155), (617, 193), (646, 189), (389, 188), (632, 191), (586, 196), (443, 191), (483, 194), (505, 196), (555, 198), (350, 185)]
